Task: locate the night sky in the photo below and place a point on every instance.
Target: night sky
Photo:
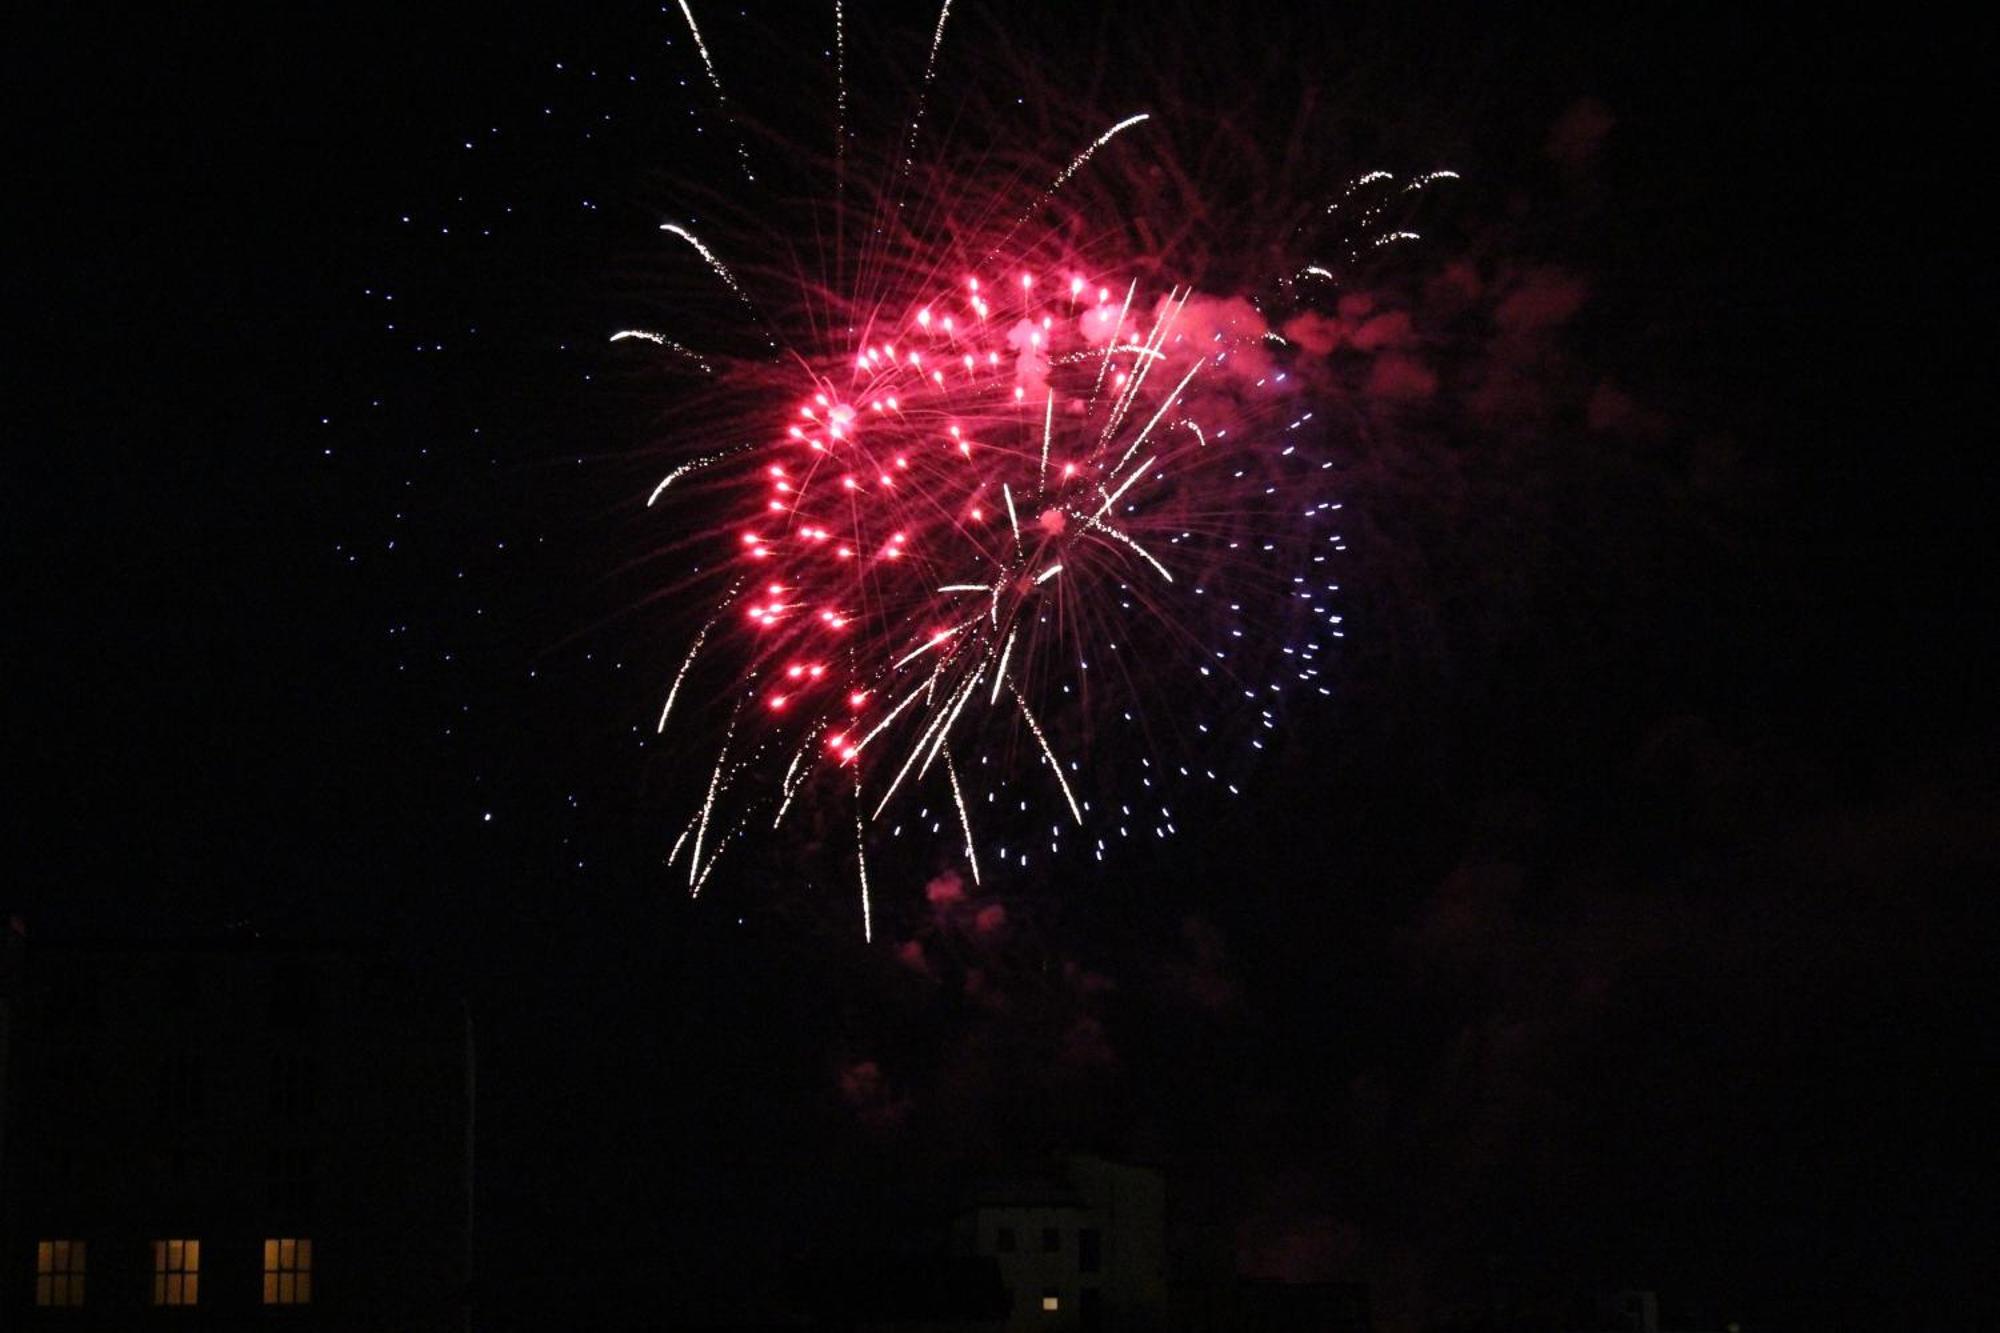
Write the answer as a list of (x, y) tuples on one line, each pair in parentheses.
[(1623, 918)]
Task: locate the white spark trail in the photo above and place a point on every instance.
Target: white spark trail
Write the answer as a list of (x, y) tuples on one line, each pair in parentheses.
[(923, 92), (1099, 525), (1111, 345), (721, 97), (916, 752), (964, 818), (1150, 356), (708, 802), (661, 340), (1048, 428), (878, 728), (951, 720), (700, 248), (1062, 177), (1077, 163), (1054, 766), (789, 787), (681, 675), (929, 644), (1168, 402), (1000, 676), (861, 859), (840, 96)]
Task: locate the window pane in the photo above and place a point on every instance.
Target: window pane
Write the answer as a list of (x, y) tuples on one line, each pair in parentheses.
[(305, 1288), (192, 1281), (270, 1256), (159, 1289), (44, 1290), (305, 1254), (193, 1255), (76, 1290), (45, 1257), (76, 1256)]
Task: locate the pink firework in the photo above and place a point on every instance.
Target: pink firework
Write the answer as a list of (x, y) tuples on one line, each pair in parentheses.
[(1006, 547)]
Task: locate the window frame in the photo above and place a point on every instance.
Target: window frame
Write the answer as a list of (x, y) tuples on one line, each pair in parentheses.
[(288, 1270), (61, 1266), (176, 1271)]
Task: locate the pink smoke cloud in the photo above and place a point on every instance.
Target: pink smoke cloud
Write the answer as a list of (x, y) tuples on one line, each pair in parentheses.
[(1396, 376), (1545, 298)]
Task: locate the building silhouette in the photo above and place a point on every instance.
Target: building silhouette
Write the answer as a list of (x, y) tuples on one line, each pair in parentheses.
[(1084, 1247), (214, 1133)]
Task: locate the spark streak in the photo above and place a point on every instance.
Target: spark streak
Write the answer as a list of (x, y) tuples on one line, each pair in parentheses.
[(1054, 766), (715, 79), (661, 340)]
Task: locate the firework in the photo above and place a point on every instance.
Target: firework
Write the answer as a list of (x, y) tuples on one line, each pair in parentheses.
[(1009, 544)]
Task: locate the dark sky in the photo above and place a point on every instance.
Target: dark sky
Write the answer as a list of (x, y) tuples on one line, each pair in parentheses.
[(1624, 920)]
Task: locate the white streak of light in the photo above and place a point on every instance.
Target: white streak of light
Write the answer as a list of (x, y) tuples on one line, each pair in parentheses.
[(1140, 439), (876, 730), (1000, 676), (1055, 767), (1048, 428), (950, 721), (661, 340), (721, 98), (929, 644), (861, 860), (1109, 531), (1076, 163), (964, 818), (681, 675), (721, 271)]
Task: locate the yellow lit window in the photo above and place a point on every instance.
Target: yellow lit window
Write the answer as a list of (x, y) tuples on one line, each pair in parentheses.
[(176, 1272), (1051, 1300), (288, 1272), (59, 1272)]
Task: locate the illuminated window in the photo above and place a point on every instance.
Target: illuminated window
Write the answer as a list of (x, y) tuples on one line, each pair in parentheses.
[(288, 1275), (176, 1271), (59, 1272), (1051, 1299)]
